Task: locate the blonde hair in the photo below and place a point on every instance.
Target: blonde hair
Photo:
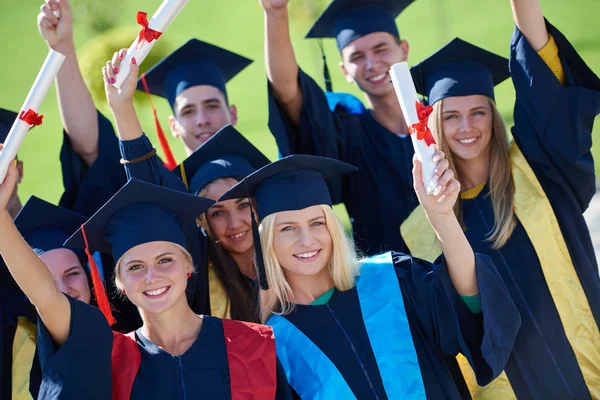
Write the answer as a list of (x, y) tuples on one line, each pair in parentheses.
[(343, 265), (502, 187), (187, 258)]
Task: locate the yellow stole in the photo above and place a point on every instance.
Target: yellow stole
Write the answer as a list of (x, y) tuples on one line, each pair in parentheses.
[(535, 213), (219, 302), (24, 346)]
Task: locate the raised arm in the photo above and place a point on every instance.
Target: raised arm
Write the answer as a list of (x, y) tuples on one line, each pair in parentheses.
[(76, 106), (438, 207), (30, 273), (280, 61), (530, 21)]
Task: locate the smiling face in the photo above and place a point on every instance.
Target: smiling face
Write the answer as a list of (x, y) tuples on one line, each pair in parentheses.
[(200, 112), (467, 126), (302, 242), (68, 274), (154, 275), (367, 62), (229, 221)]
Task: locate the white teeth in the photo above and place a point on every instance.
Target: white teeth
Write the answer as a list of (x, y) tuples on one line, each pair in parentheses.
[(378, 77), (156, 292), (307, 255), (467, 141), (237, 236)]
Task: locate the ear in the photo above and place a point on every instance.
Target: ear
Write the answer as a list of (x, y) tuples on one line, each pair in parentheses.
[(349, 78), (404, 47), (174, 126), (20, 168), (233, 114)]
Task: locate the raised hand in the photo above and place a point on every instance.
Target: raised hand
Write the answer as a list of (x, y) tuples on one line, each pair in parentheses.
[(124, 95), (441, 202), (273, 4), (57, 32), (8, 186)]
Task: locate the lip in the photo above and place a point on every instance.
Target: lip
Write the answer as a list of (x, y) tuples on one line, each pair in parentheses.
[(475, 140), (204, 136), (379, 79), (309, 259), (233, 237), (158, 296)]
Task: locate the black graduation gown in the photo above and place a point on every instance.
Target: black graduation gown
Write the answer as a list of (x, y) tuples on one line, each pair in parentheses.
[(440, 323), (153, 171), (81, 367), (553, 125), (380, 195)]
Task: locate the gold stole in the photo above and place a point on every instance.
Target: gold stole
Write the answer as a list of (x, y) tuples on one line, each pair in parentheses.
[(24, 347), (535, 213)]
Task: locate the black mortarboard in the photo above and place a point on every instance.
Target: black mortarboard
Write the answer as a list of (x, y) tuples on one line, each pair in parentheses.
[(459, 69), (7, 118)]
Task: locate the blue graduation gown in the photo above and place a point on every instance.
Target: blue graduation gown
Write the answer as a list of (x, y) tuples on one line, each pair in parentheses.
[(153, 171), (440, 324), (553, 125), (380, 195), (81, 367)]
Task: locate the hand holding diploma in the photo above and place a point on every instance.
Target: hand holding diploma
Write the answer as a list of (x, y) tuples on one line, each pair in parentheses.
[(416, 116), (57, 32), (28, 116), (150, 31)]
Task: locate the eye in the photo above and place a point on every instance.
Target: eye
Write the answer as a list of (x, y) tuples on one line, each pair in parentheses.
[(74, 273), (244, 205), (318, 223), (217, 214), (186, 112), (478, 113), (449, 117), (134, 267), (356, 58), (213, 106), (165, 260), (287, 228)]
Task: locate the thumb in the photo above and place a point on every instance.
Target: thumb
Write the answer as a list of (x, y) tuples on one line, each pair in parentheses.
[(417, 173), (65, 8), (131, 80)]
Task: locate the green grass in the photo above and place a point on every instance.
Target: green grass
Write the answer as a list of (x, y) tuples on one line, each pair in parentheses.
[(238, 25)]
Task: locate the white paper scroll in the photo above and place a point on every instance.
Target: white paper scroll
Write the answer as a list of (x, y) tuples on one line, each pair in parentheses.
[(162, 18), (407, 96), (34, 99)]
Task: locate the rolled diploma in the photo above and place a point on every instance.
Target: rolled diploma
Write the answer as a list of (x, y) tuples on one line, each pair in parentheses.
[(162, 18), (407, 96), (33, 101), (56, 13)]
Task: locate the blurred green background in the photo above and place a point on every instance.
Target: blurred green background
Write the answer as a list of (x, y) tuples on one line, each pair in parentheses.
[(103, 26)]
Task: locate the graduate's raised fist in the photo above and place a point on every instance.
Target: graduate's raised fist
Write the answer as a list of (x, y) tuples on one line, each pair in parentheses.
[(273, 4), (57, 32), (441, 201), (118, 97)]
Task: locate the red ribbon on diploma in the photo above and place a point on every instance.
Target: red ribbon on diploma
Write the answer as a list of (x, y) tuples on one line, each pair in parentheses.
[(31, 117), (421, 129), (146, 33)]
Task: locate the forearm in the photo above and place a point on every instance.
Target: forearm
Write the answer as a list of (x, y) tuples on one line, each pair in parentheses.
[(528, 17), (77, 109), (34, 279), (128, 124), (458, 254), (280, 61)]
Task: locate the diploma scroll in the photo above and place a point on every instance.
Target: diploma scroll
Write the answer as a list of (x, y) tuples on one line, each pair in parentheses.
[(411, 109), (28, 114), (143, 43)]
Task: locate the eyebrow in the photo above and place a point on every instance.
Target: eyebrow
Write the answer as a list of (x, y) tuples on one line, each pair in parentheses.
[(213, 100), (472, 109), (71, 269), (157, 257), (292, 223), (379, 46), (238, 201)]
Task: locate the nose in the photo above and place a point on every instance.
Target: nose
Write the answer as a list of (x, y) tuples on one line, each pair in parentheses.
[(370, 64), (152, 275), (235, 221), (202, 118), (465, 125), (305, 239)]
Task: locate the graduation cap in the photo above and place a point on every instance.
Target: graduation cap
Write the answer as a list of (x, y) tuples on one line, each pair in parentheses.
[(45, 226), (348, 20), (195, 63), (295, 182), (227, 154), (138, 213), (459, 69), (7, 118)]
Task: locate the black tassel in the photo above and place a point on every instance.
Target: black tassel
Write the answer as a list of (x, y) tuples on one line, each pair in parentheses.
[(260, 262), (326, 76)]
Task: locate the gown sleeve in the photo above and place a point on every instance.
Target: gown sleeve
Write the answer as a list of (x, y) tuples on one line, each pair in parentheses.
[(321, 132), (88, 188), (553, 122), (485, 339), (81, 367), (284, 391)]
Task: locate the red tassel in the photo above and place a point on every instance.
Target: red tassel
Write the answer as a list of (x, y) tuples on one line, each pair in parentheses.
[(170, 162), (98, 287)]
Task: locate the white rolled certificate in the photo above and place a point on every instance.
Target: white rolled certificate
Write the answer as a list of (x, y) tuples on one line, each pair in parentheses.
[(407, 96), (162, 18), (28, 112)]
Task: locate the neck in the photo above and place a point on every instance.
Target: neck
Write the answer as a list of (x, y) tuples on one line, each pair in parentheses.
[(174, 330), (473, 172), (307, 289), (14, 206), (387, 112), (245, 262)]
